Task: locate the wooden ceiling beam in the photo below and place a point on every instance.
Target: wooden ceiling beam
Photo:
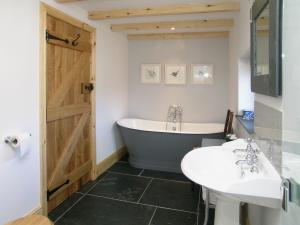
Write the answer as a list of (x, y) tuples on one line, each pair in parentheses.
[(174, 36), (188, 24), (165, 10), (66, 1)]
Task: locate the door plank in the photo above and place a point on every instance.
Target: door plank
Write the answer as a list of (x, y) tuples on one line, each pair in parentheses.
[(74, 176), (57, 176), (59, 95), (58, 113)]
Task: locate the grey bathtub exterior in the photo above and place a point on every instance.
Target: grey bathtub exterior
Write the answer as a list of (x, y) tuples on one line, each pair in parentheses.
[(159, 150)]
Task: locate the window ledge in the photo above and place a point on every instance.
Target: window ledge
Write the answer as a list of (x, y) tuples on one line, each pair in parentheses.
[(247, 124)]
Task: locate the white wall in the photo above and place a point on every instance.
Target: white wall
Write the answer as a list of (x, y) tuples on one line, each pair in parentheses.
[(245, 96), (19, 186), (241, 96), (201, 103), (233, 75), (112, 89), (19, 94)]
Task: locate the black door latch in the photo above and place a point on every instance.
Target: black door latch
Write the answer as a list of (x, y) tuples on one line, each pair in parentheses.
[(87, 88)]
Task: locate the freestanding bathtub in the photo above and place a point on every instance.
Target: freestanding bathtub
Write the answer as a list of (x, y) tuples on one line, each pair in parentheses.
[(150, 146)]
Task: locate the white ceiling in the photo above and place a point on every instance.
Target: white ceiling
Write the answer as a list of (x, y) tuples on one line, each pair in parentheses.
[(90, 5)]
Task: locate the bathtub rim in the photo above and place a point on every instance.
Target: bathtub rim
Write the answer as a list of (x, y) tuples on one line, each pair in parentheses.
[(220, 128)]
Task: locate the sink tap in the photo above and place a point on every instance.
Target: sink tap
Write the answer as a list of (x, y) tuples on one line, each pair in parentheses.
[(251, 157), (249, 148), (239, 150), (241, 161), (254, 168)]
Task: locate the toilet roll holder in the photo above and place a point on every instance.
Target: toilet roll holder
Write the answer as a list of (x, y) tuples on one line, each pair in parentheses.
[(11, 140)]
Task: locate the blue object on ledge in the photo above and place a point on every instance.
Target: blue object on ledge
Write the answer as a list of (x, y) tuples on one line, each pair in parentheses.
[(248, 115)]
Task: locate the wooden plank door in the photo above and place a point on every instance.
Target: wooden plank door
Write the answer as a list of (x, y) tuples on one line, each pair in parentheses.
[(69, 107)]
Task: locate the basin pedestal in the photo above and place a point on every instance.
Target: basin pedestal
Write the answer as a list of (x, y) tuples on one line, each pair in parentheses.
[(227, 211)]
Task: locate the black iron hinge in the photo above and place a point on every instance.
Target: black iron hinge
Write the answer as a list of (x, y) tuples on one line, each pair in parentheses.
[(51, 192), (53, 37)]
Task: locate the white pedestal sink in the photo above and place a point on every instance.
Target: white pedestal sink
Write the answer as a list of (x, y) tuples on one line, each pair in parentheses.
[(215, 169)]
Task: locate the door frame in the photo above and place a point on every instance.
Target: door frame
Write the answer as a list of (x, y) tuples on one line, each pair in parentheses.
[(44, 11)]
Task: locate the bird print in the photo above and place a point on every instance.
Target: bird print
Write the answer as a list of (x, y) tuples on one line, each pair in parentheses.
[(151, 73), (203, 74), (200, 73), (175, 74)]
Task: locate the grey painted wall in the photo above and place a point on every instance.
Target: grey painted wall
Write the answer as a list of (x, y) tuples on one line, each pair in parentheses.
[(268, 132), (203, 103), (268, 135)]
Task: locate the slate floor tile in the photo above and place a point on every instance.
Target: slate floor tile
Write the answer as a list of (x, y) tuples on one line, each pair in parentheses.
[(122, 187), (121, 167), (58, 211), (164, 175), (94, 210), (87, 187), (172, 217), (171, 194)]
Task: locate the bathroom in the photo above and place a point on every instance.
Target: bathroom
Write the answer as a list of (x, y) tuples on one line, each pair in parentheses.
[(118, 41)]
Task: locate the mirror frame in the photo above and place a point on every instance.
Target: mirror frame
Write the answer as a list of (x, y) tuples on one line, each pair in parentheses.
[(270, 84)]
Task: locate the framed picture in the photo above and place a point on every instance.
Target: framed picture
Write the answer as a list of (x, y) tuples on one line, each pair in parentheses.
[(202, 74), (175, 74), (150, 73)]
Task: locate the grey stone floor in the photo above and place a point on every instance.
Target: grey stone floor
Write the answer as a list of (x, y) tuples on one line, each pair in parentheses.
[(129, 196)]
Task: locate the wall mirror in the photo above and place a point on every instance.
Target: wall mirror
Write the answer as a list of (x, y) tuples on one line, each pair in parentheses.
[(266, 47)]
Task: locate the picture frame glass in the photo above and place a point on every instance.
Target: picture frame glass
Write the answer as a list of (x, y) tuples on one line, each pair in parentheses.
[(202, 74), (150, 73), (175, 74)]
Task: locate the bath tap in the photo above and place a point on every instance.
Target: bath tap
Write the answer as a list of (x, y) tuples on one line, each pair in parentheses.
[(174, 117)]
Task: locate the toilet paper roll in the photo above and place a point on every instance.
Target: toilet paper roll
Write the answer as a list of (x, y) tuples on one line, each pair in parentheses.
[(22, 143)]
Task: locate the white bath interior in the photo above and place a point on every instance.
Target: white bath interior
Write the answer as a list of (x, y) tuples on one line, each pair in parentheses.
[(159, 126)]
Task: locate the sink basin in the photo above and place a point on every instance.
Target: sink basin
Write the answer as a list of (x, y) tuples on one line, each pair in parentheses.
[(215, 168)]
